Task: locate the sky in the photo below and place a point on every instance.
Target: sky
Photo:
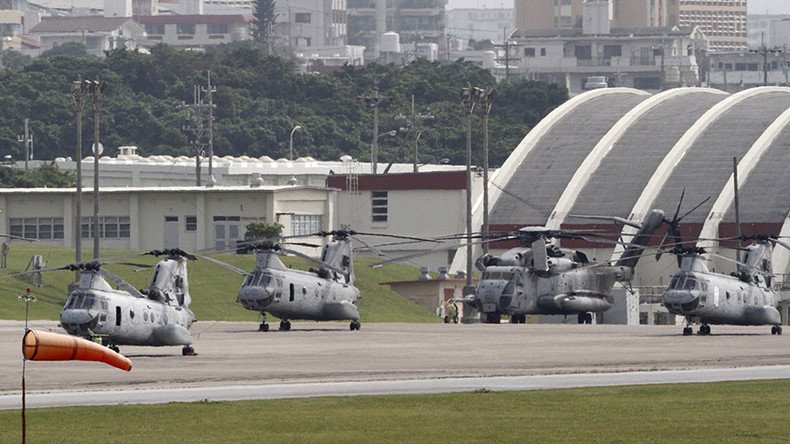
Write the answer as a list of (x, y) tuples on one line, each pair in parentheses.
[(755, 6)]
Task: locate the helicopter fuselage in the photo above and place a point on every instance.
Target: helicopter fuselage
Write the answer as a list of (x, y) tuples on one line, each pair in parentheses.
[(568, 287), (124, 319), (296, 294), (713, 298)]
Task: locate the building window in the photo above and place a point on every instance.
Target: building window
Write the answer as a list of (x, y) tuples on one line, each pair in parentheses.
[(543, 52), (302, 17), (110, 227), (213, 28), (185, 29), (379, 205), (529, 52), (44, 228), (191, 223), (154, 28), (583, 52), (302, 224), (610, 51)]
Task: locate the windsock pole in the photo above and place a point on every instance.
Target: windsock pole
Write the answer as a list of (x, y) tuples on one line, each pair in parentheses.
[(27, 298)]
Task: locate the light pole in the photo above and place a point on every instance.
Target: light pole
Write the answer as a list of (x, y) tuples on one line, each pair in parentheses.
[(96, 91), (28, 141), (469, 100), (486, 98), (291, 143), (80, 89)]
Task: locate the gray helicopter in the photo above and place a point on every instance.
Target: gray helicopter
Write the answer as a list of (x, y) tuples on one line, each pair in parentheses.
[(156, 316), (746, 297), (325, 292), (540, 278)]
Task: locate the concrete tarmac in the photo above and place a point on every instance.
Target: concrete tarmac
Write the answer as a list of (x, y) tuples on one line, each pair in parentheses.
[(236, 354)]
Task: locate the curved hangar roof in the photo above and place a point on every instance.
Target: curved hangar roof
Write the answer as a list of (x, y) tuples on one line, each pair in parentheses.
[(621, 152)]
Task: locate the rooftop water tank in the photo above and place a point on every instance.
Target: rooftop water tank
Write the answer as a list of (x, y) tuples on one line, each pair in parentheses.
[(390, 42)]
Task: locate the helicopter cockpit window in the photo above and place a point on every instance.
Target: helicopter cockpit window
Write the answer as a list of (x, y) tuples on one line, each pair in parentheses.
[(684, 283)]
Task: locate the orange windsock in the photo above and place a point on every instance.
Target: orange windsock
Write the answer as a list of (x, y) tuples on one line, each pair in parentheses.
[(46, 346)]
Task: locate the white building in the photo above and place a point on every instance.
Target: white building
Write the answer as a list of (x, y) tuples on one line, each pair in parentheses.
[(196, 31), (97, 33), (425, 205), (191, 218), (302, 24)]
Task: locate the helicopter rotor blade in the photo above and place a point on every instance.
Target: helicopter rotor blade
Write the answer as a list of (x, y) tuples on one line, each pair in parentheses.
[(369, 247), (313, 260), (120, 283), (616, 219), (693, 209), (224, 265), (435, 250)]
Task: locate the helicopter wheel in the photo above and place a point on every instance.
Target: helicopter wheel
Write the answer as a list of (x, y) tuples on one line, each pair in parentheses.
[(776, 330), (588, 318), (263, 327), (115, 348), (704, 330), (188, 351), (355, 325), (493, 318), (687, 331), (285, 325), (582, 318)]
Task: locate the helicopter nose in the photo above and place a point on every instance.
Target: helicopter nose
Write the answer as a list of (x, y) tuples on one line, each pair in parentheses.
[(75, 317), (254, 297), (680, 300)]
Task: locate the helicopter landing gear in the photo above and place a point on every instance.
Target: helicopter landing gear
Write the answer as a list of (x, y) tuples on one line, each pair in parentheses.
[(776, 330), (704, 329), (518, 319), (585, 318), (285, 325), (188, 351), (493, 318), (687, 331), (114, 348), (263, 327), (355, 325)]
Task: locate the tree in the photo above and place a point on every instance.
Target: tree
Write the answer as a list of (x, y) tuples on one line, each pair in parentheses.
[(263, 24), (262, 230), (48, 175)]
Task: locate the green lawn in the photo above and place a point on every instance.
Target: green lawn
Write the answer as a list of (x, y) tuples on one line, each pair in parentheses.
[(212, 287), (752, 411)]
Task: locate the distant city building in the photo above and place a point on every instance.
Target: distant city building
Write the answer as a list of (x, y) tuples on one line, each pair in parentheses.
[(722, 21), (195, 31), (643, 58), (415, 21), (480, 24), (304, 24), (97, 33), (735, 71), (773, 31)]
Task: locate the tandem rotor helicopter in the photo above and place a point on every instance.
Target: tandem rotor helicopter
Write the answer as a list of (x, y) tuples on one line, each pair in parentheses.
[(156, 316), (325, 292), (745, 297)]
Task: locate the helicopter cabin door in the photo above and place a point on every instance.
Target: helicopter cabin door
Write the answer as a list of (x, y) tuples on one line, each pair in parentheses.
[(171, 232)]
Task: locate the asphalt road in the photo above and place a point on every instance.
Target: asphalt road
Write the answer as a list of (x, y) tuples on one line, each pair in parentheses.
[(235, 361)]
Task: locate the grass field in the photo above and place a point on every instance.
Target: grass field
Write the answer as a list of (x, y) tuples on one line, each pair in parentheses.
[(213, 288), (751, 411)]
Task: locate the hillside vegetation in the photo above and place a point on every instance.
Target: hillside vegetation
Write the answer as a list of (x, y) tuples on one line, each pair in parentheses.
[(213, 288), (259, 100)]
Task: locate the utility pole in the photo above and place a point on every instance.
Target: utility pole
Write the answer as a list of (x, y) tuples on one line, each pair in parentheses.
[(506, 45), (79, 90), (96, 92), (197, 128), (413, 125), (373, 101), (468, 100), (209, 90), (28, 141), (486, 101)]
